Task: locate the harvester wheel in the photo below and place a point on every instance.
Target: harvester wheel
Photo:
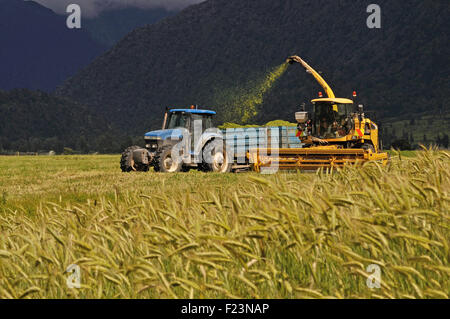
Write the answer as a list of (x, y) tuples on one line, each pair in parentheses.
[(216, 157), (127, 163), (165, 163), (368, 147)]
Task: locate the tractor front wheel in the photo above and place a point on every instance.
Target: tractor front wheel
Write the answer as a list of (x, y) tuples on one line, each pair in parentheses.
[(127, 163)]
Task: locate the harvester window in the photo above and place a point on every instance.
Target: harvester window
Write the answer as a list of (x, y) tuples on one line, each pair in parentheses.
[(329, 123), (343, 119), (323, 119), (344, 109)]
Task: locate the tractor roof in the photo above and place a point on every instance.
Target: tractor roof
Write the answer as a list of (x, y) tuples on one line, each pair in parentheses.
[(194, 111), (335, 100)]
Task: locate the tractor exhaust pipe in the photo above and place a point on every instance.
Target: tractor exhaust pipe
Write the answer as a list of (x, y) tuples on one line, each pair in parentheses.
[(166, 114)]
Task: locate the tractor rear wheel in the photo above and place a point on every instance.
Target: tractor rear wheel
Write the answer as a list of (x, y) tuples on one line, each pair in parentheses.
[(165, 163), (216, 157), (127, 163)]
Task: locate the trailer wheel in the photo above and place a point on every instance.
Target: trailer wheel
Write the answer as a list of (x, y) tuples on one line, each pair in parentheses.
[(216, 157), (127, 163), (185, 169), (164, 162)]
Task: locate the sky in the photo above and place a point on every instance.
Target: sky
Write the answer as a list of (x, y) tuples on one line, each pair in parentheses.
[(93, 7)]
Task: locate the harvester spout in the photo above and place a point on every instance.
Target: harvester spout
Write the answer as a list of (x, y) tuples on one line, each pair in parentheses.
[(296, 59)]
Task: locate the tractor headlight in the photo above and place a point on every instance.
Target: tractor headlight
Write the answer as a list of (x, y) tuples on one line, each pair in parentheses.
[(152, 145)]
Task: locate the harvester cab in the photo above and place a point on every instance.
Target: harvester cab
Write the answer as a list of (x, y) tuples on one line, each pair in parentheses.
[(335, 121), (187, 140)]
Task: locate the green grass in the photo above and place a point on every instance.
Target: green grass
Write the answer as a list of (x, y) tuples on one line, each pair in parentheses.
[(198, 235), (402, 153)]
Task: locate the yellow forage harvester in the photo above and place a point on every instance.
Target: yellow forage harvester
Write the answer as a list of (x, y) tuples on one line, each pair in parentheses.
[(334, 134)]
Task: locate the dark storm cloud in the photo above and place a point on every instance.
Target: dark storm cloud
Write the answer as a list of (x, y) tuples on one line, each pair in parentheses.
[(93, 7)]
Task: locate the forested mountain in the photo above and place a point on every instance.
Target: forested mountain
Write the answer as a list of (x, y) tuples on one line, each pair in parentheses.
[(37, 50), (36, 121), (212, 53), (224, 55), (110, 26)]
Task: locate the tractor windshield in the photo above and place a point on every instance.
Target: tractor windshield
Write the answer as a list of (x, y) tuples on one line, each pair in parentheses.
[(177, 120), (331, 120)]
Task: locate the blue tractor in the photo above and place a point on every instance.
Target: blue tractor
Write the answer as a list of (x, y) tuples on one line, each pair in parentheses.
[(188, 140)]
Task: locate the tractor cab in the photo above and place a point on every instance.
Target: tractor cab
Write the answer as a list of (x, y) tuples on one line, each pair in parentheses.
[(187, 118)]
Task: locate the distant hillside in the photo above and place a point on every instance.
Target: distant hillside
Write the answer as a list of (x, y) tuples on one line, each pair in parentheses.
[(37, 50), (212, 51), (426, 128), (36, 121), (111, 26)]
